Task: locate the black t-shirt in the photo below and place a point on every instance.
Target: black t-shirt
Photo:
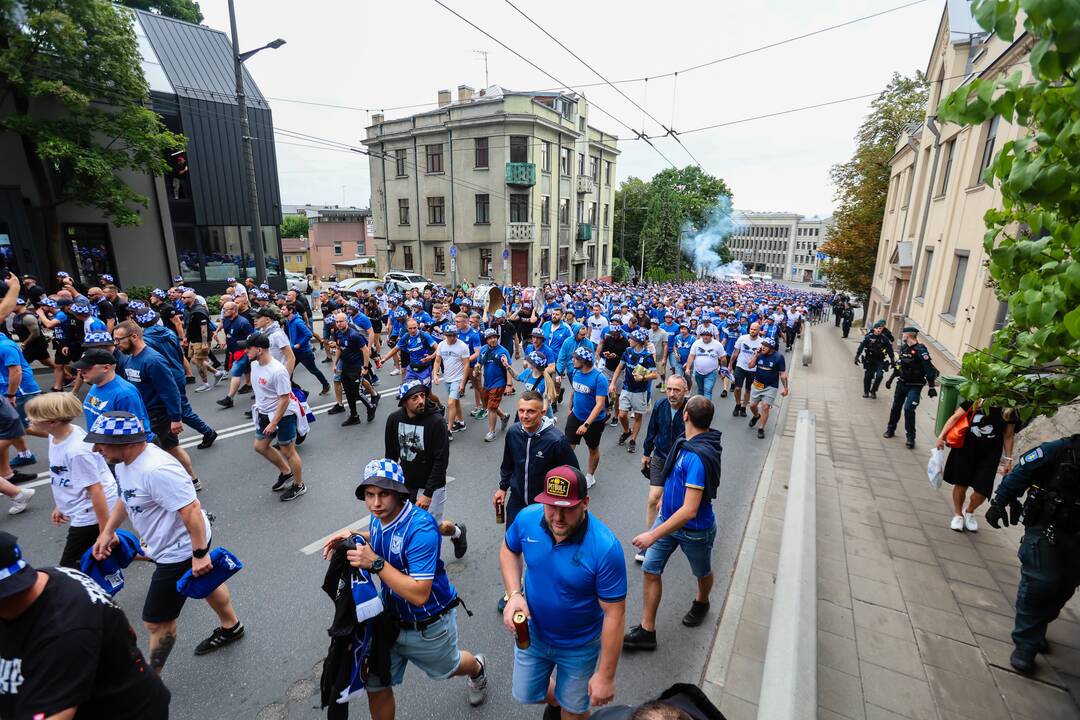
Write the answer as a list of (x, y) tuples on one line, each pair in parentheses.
[(105, 310), (74, 647), (34, 294), (167, 311), (196, 316), (986, 434), (617, 346)]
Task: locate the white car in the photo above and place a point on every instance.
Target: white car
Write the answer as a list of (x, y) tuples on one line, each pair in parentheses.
[(406, 280), (297, 282)]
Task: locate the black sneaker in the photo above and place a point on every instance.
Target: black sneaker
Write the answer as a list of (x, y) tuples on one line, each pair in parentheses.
[(461, 543), (639, 639), (888, 434), (761, 433), (735, 411), (220, 638), (207, 440), (697, 614), (225, 402), (247, 414), (371, 412), (1023, 662), (622, 438), (873, 394), (753, 420), (723, 393), (244, 390), (293, 492), (324, 391), (459, 425), (866, 394), (336, 410), (910, 443), (614, 420), (282, 480), (632, 446), (21, 477), (351, 420)]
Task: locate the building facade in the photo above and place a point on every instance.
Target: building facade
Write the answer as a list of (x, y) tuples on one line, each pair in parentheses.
[(784, 245), (339, 240), (196, 223), (931, 266), (499, 186), (294, 252)]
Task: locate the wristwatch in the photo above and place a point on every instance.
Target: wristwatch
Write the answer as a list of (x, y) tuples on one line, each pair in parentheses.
[(377, 565), (200, 553)]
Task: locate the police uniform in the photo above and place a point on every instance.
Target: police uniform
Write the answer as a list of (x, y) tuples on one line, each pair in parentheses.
[(915, 369), (876, 354), (1050, 549)]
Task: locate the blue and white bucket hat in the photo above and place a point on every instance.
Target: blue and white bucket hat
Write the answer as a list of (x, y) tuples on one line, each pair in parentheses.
[(584, 354), (385, 474), (116, 427)]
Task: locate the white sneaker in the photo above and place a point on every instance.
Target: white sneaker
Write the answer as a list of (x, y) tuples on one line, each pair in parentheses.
[(957, 523), (21, 501), (204, 387), (395, 371), (969, 522), (218, 377), (639, 557), (478, 685), (489, 437), (590, 480)]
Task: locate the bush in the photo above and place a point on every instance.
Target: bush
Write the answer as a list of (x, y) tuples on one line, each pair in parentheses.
[(213, 304), (620, 270), (139, 292)]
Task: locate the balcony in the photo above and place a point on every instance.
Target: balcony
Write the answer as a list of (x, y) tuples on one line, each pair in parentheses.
[(521, 173), (584, 231), (580, 258), (585, 184), (519, 232)]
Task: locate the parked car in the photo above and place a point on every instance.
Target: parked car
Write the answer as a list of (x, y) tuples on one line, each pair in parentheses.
[(406, 280), (297, 282), (818, 284), (354, 284)]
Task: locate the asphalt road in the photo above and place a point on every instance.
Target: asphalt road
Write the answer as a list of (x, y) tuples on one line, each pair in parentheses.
[(273, 671)]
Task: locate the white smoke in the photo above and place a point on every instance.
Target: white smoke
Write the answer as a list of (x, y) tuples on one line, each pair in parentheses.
[(702, 245)]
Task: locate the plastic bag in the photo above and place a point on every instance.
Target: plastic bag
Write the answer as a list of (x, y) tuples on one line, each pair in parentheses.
[(935, 467)]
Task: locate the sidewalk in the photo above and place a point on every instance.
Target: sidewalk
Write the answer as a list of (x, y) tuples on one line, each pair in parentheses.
[(913, 619)]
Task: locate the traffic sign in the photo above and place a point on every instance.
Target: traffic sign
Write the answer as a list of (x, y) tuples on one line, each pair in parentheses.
[(453, 251), (506, 254), (821, 256)]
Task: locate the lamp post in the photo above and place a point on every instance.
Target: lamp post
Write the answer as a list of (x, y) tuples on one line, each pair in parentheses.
[(245, 138)]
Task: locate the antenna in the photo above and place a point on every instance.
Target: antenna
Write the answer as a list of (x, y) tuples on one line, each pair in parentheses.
[(485, 54)]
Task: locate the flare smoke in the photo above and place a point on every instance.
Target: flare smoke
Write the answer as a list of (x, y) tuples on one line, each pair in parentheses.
[(702, 245)]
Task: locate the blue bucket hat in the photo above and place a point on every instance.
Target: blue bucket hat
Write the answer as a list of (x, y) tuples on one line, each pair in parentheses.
[(385, 474)]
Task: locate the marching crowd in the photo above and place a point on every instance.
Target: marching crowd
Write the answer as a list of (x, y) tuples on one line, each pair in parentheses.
[(548, 368)]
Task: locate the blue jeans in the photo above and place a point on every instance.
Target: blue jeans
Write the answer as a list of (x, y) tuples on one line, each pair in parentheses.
[(696, 545), (534, 665), (705, 383), (906, 397)]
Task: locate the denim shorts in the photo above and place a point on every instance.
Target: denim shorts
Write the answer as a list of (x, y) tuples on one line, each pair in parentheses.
[(433, 649), (574, 666), (696, 545), (455, 389), (286, 429), (241, 366)]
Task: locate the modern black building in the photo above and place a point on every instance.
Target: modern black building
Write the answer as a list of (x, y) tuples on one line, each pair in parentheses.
[(197, 221)]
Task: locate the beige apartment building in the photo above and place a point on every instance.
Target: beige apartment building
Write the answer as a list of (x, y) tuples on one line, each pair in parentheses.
[(499, 186), (782, 244), (931, 267)]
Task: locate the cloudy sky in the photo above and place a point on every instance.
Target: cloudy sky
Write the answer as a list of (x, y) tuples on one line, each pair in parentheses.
[(387, 54)]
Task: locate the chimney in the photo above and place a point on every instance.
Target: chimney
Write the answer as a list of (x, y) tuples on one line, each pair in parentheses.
[(377, 118), (444, 98), (464, 93)]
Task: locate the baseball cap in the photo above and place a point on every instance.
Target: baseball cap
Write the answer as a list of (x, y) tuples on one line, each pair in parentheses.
[(255, 340), (385, 474), (116, 427), (92, 357), (16, 575), (410, 388), (500, 313), (564, 486), (450, 329), (98, 338), (147, 318), (268, 312)]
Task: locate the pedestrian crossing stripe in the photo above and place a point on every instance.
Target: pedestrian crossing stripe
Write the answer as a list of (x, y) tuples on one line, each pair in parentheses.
[(1031, 456)]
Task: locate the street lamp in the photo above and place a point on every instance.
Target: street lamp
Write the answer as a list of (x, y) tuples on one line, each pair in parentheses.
[(245, 138)]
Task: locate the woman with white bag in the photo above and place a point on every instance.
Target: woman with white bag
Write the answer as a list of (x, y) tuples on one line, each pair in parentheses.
[(977, 435)]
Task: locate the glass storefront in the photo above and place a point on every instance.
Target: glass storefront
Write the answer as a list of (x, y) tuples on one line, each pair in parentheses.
[(91, 250)]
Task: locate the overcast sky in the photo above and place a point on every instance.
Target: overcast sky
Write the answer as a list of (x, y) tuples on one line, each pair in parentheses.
[(385, 54)]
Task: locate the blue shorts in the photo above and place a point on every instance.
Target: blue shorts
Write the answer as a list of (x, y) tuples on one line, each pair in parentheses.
[(337, 371), (696, 545), (454, 389), (241, 366), (433, 649), (286, 429), (534, 665)]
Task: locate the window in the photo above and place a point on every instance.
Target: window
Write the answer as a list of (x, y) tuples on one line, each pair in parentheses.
[(399, 162), (592, 213), (581, 123), (594, 168), (567, 108), (480, 154), (908, 187), (519, 148), (545, 262), (607, 172), (485, 262), (607, 208), (565, 155), (564, 260), (483, 209), (581, 163), (435, 209), (928, 253), (337, 247), (403, 211), (894, 190), (519, 207), (959, 270), (440, 260), (947, 167), (591, 252), (545, 156), (434, 158), (580, 211), (407, 250), (545, 210), (564, 212), (988, 145)]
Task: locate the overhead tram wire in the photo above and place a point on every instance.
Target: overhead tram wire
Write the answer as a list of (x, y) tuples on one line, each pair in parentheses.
[(600, 75)]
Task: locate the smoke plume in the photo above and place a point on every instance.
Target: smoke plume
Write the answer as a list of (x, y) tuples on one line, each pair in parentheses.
[(702, 245)]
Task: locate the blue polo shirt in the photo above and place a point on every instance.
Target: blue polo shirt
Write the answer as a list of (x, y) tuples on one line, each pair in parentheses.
[(687, 472), (411, 544), (587, 387), (768, 368), (415, 349), (566, 581), (237, 330), (681, 345), (494, 371)]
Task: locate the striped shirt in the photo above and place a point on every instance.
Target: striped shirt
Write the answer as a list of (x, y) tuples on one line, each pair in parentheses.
[(411, 544)]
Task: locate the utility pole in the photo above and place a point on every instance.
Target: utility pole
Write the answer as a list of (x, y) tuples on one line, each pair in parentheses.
[(622, 229)]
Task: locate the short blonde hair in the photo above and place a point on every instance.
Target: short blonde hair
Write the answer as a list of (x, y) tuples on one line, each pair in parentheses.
[(64, 407)]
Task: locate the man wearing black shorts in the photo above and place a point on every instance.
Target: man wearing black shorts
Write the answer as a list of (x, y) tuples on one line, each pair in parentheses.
[(745, 347), (588, 408), (159, 499)]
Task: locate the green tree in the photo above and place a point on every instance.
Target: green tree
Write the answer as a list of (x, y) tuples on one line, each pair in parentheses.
[(72, 72), (862, 184), (620, 270), (633, 193), (1033, 240), (294, 226), (186, 10)]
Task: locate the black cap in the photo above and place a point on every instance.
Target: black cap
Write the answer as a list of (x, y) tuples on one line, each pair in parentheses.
[(16, 575), (911, 329), (92, 357), (268, 312), (255, 340)]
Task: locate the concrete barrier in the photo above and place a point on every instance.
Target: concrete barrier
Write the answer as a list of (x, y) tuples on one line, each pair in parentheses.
[(789, 678), (807, 345)]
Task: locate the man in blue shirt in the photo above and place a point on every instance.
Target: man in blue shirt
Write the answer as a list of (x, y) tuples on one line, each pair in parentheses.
[(108, 391), (574, 596), (686, 521), (402, 549), (18, 384), (352, 357), (769, 371), (638, 368), (495, 373), (417, 352), (588, 407), (300, 338), (556, 332)]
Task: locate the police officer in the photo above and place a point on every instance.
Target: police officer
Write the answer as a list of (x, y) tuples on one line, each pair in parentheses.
[(847, 316), (914, 369), (1050, 549), (877, 354)]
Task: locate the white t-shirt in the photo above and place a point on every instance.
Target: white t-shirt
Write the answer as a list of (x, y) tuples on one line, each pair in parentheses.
[(153, 488), (793, 317), (706, 356), (746, 347), (596, 327), (74, 467), (454, 355), (270, 382), (278, 341)]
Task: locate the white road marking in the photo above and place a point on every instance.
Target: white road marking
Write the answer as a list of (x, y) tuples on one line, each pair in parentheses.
[(316, 546)]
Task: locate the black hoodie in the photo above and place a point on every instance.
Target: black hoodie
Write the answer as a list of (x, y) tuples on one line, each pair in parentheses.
[(421, 446), (708, 448)]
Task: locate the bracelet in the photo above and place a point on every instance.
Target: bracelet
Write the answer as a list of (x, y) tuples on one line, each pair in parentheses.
[(512, 594), (1006, 457)]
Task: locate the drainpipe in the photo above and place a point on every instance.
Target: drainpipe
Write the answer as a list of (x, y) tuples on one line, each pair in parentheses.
[(385, 208), (453, 207), (931, 125), (419, 210)]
